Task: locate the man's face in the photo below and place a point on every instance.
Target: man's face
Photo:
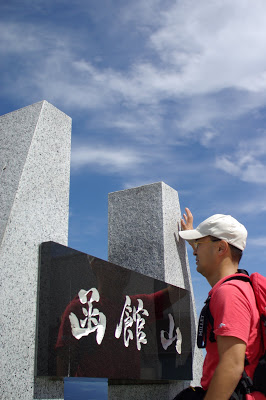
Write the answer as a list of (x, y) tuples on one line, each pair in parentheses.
[(205, 252)]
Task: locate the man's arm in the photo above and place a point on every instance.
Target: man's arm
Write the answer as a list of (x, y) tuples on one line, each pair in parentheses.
[(229, 370)]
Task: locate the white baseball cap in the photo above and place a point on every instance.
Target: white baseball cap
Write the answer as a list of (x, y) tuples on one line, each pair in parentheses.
[(222, 227)]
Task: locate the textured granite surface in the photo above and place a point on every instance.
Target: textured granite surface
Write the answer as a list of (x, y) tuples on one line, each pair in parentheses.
[(34, 191), (143, 236)]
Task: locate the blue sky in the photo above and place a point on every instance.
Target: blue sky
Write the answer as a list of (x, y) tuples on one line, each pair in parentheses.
[(85, 389), (169, 91)]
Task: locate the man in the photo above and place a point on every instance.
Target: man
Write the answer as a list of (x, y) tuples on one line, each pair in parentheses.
[(218, 243)]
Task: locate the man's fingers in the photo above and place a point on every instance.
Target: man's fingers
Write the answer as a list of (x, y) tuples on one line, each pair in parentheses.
[(189, 213), (187, 220)]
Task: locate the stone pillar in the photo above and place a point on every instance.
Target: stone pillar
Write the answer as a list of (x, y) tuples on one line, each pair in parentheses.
[(34, 203), (143, 236)]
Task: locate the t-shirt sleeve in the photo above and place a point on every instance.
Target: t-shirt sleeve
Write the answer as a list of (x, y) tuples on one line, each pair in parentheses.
[(231, 311), (155, 303)]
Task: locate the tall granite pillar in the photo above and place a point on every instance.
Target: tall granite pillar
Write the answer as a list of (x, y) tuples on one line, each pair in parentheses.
[(34, 201), (143, 236)]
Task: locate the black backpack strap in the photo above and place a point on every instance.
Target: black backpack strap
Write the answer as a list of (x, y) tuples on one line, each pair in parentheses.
[(245, 386), (204, 319), (243, 271), (202, 326), (239, 278)]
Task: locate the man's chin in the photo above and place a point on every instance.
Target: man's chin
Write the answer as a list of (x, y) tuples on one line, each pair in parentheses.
[(198, 269)]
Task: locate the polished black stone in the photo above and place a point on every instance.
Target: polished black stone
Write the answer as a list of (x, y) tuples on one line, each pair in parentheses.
[(97, 319)]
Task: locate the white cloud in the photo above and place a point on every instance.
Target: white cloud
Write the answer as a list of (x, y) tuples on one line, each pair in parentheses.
[(216, 44), (252, 207), (109, 159), (255, 173), (252, 171), (207, 137), (248, 162), (196, 50), (259, 242), (225, 164), (204, 48), (10, 34)]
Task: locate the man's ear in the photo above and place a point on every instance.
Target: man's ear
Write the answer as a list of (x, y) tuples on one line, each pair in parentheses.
[(222, 247)]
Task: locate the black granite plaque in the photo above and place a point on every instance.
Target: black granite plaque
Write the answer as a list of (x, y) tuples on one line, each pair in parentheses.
[(97, 319)]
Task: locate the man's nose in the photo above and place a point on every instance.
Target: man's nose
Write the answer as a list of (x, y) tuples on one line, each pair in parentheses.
[(194, 251)]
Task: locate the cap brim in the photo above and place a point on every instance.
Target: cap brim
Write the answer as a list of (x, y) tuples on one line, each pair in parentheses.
[(191, 234)]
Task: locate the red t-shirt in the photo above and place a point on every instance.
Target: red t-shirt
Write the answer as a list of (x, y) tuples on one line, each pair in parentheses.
[(233, 307)]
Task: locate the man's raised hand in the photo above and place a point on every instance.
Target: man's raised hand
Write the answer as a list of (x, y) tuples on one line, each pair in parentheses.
[(187, 222)]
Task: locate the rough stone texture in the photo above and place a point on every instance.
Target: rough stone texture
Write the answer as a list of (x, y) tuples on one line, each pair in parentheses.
[(34, 201), (143, 236)]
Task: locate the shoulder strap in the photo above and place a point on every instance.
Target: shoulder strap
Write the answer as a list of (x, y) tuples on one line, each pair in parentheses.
[(243, 271), (204, 319), (239, 278)]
